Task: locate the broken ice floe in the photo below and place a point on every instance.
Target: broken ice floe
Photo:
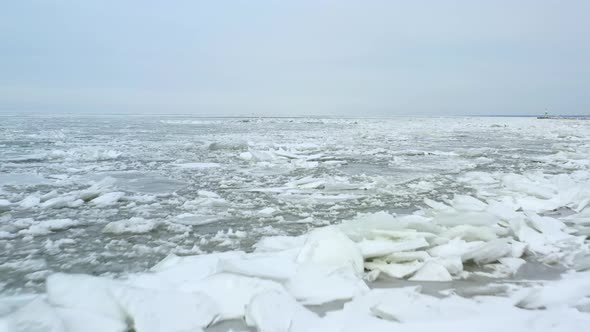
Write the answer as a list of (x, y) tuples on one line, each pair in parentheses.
[(329, 264)]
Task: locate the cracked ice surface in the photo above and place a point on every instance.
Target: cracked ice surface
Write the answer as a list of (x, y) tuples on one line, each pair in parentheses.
[(177, 224)]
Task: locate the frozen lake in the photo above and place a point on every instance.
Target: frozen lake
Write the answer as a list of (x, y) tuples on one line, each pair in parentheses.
[(111, 196)]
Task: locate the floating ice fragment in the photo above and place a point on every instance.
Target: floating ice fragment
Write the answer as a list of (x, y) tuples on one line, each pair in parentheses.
[(206, 193), (246, 156), (193, 219), (49, 195), (432, 271), (29, 202), (268, 212), (47, 226), (108, 199), (134, 225), (5, 205), (62, 202)]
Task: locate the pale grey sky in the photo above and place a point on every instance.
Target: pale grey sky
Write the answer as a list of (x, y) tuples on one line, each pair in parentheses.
[(295, 57)]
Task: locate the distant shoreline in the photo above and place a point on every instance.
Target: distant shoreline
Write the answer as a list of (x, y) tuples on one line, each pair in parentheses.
[(209, 116), (563, 117)]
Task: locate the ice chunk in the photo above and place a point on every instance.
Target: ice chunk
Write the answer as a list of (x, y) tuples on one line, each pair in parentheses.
[(468, 203), (397, 235), (36, 316), (29, 202), (518, 248), (96, 189), (49, 195), (83, 292), (246, 156), (133, 225), (478, 178), (470, 233), (108, 199), (465, 218), (197, 165), (489, 252), (504, 209), (155, 311), (62, 202), (278, 243), (512, 264), (5, 205), (437, 205), (407, 305), (408, 256), (307, 182), (279, 312), (175, 272), (581, 262), (276, 266), (12, 303), (194, 219), (432, 271), (377, 248), (566, 292), (330, 246), (534, 240), (81, 320), (550, 227), (454, 248), (206, 199), (232, 292), (364, 224), (268, 212), (206, 193), (395, 270), (47, 226), (453, 264), (315, 284)]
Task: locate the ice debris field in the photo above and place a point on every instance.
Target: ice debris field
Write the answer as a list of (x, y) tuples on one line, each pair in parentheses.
[(185, 224)]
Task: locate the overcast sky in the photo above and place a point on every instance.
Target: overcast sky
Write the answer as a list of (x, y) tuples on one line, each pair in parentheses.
[(359, 58)]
